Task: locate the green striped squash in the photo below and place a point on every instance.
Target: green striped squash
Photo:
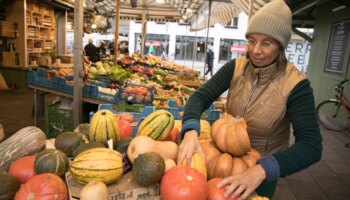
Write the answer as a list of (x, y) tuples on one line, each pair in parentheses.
[(101, 164), (51, 161), (103, 127), (157, 125)]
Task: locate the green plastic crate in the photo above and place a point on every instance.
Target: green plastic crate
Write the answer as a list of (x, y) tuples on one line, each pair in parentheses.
[(130, 107), (58, 120)]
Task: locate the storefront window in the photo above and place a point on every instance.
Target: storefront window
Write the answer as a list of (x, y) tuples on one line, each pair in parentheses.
[(155, 44), (188, 47), (230, 49)]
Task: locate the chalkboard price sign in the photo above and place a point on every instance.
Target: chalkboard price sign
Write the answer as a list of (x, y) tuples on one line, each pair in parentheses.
[(338, 47)]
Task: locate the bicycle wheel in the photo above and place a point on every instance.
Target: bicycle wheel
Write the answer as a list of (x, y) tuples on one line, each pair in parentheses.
[(333, 115)]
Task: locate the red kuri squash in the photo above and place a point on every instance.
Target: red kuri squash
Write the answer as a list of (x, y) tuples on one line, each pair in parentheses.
[(182, 183), (23, 169), (43, 186), (215, 193)]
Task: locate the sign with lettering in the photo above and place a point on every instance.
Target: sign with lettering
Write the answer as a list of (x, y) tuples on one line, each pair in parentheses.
[(236, 48), (297, 52), (338, 47)]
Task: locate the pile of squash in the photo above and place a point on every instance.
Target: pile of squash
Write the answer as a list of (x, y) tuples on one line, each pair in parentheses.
[(28, 170), (151, 155)]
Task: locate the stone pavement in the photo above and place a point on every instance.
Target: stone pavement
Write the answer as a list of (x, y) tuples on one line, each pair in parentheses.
[(327, 179)]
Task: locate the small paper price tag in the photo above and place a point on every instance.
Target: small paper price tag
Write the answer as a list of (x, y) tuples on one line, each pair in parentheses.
[(110, 144)]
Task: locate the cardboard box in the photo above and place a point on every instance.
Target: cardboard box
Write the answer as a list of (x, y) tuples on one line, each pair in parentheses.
[(67, 58), (124, 189)]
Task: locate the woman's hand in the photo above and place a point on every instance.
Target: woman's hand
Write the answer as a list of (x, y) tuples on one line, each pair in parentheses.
[(188, 147), (242, 185)]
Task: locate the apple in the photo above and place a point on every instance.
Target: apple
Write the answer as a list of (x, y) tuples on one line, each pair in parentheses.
[(125, 129), (174, 135)]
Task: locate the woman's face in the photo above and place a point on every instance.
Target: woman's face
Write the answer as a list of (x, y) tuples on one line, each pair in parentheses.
[(262, 49)]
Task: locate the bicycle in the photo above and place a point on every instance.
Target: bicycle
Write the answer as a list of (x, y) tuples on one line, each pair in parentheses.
[(334, 114)]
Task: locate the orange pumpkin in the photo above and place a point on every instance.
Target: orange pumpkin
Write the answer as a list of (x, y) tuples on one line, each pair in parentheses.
[(231, 136), (221, 165)]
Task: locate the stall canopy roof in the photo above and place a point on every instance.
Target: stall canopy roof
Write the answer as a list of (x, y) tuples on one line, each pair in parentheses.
[(155, 10), (222, 11), (196, 11)]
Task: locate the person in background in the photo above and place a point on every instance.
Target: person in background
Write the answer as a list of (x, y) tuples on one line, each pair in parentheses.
[(111, 47), (102, 51), (209, 61), (151, 49), (124, 48), (271, 94), (91, 51)]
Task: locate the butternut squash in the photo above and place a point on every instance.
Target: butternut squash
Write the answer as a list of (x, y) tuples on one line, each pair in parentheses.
[(94, 190), (143, 144), (169, 163)]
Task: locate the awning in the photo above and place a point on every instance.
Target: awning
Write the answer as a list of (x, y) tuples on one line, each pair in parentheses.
[(223, 12)]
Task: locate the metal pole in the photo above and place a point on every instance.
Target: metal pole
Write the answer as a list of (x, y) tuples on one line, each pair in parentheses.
[(116, 33), (78, 61), (206, 39)]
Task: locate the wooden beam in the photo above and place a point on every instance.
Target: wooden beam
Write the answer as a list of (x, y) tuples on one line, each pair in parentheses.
[(343, 2), (78, 62), (305, 5), (301, 34)]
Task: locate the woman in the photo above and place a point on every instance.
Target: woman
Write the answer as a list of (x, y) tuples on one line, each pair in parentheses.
[(270, 93)]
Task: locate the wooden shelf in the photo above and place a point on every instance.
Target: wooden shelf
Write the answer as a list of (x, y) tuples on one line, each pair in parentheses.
[(40, 26)]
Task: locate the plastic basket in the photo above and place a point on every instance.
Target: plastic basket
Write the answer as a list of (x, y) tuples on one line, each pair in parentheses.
[(58, 120), (211, 114), (124, 106)]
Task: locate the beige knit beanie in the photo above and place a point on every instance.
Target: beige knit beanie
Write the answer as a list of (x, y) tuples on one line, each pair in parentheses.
[(273, 19)]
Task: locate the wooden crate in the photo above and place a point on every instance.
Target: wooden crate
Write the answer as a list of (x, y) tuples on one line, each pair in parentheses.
[(7, 29)]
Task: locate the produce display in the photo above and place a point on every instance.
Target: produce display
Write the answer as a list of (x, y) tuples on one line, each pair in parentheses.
[(147, 80), (98, 163)]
